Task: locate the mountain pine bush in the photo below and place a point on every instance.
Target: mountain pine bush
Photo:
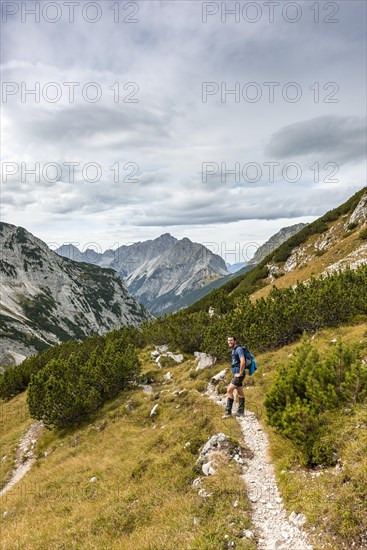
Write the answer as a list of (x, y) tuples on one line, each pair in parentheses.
[(67, 391), (308, 390), (60, 394), (16, 379)]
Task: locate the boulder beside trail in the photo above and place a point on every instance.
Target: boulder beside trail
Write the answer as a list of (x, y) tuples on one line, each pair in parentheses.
[(204, 360), (218, 442), (219, 377)]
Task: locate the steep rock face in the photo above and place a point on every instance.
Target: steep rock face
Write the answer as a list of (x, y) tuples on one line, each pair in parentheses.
[(46, 299), (160, 272), (359, 215), (271, 244), (276, 240)]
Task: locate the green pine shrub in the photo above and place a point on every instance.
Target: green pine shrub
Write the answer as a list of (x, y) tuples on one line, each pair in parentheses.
[(307, 390), (67, 391), (16, 379), (61, 393)]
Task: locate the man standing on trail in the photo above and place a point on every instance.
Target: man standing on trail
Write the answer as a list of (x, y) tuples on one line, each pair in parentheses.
[(238, 372)]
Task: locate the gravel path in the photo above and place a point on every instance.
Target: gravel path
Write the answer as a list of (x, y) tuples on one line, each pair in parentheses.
[(25, 455), (274, 529)]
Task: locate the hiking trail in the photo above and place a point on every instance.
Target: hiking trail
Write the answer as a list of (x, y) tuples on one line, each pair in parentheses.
[(274, 529), (24, 456)]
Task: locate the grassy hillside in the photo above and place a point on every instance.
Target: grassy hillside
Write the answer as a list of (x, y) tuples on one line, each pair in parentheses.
[(143, 496)]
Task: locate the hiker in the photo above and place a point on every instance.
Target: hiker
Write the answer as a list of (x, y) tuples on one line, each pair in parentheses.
[(238, 374)]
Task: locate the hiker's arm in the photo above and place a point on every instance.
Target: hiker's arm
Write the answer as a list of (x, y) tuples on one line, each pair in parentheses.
[(241, 357), (242, 365)]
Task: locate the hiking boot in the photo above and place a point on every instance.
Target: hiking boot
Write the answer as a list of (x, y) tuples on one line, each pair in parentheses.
[(229, 406), (241, 407)]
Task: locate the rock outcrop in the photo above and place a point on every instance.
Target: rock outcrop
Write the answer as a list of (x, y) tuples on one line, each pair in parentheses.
[(359, 214), (276, 240), (204, 360)]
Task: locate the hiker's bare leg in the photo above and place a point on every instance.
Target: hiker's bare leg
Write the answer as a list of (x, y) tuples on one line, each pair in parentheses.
[(230, 389)]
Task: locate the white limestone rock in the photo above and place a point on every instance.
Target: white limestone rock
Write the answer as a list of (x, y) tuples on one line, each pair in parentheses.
[(359, 214), (208, 469), (196, 482), (217, 442), (203, 493), (204, 360), (219, 377), (154, 410), (178, 358)]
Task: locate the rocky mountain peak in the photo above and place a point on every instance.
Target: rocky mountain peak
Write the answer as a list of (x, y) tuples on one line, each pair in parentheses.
[(166, 237), (159, 272)]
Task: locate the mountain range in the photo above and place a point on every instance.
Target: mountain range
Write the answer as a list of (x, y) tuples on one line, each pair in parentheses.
[(167, 274), (162, 273), (46, 299)]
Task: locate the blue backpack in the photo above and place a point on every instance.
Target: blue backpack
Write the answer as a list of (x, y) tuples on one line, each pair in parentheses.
[(250, 362)]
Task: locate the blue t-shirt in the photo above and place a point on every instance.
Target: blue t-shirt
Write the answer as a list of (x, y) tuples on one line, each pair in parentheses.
[(236, 354)]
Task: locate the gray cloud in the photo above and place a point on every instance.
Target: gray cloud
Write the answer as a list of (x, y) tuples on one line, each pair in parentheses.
[(170, 133), (341, 139), (132, 127)]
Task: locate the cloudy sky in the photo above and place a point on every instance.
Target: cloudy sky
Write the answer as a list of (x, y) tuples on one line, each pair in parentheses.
[(149, 117)]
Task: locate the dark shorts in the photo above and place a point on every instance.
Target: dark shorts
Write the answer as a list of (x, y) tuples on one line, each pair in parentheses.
[(237, 380)]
